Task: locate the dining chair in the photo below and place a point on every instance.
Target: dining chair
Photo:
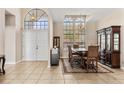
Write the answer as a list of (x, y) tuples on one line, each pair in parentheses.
[(83, 58), (75, 46), (70, 52), (91, 61), (74, 58)]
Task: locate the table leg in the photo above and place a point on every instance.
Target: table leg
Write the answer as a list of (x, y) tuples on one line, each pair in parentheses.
[(0, 66), (83, 63), (3, 65)]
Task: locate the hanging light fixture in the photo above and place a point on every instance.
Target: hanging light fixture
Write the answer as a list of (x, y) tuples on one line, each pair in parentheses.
[(82, 29), (33, 18), (82, 22)]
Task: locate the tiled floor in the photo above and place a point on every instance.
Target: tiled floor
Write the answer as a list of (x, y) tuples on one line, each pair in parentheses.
[(39, 73)]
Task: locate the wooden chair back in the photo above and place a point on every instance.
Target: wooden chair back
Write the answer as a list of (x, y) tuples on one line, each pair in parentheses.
[(75, 46), (92, 58), (93, 51)]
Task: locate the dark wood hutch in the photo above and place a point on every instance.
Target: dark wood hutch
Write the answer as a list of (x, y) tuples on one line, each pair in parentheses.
[(56, 42), (108, 40)]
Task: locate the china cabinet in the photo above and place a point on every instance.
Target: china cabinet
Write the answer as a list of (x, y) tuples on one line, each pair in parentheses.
[(56, 43), (108, 40)]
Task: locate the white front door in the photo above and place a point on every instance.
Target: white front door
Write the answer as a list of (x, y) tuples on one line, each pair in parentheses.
[(29, 45), (35, 45), (42, 45)]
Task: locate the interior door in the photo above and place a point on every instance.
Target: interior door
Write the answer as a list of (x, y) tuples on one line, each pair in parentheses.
[(35, 45), (42, 45), (29, 45)]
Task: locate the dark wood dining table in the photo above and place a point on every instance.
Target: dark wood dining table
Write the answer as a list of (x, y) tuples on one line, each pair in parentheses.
[(79, 49), (82, 52)]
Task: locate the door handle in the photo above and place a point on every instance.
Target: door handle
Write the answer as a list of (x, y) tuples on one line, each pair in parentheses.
[(36, 47)]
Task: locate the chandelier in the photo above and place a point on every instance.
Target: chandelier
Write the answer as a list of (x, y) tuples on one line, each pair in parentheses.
[(82, 28), (33, 17), (82, 22)]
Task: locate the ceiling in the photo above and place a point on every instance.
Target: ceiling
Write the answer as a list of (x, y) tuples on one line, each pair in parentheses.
[(93, 14)]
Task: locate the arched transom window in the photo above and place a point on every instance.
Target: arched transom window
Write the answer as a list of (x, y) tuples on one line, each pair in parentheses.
[(36, 19)]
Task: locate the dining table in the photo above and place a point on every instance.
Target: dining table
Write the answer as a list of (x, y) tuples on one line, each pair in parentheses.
[(79, 49), (82, 52)]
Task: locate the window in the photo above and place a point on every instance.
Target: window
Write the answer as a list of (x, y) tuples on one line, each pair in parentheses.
[(74, 30), (36, 19)]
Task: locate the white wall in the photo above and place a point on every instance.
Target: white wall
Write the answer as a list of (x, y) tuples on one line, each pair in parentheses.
[(116, 18), (6, 31), (2, 30), (18, 46), (58, 31), (9, 20), (91, 36), (10, 44), (50, 38), (17, 13)]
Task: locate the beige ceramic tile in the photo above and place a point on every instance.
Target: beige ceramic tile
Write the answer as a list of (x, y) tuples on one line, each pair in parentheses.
[(39, 73), (91, 82), (46, 77), (4, 81), (16, 82), (112, 82), (22, 76), (44, 82), (69, 77), (51, 82), (30, 81), (34, 76), (71, 82)]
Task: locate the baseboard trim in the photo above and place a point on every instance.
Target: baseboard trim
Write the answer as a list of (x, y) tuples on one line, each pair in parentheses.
[(49, 66), (122, 68), (19, 61), (33, 60), (10, 63)]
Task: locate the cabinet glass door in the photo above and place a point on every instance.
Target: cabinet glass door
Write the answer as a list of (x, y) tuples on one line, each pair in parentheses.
[(116, 41), (56, 42), (98, 39), (108, 42), (103, 42), (98, 42)]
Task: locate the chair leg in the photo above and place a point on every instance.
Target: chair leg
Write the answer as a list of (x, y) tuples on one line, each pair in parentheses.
[(71, 62), (96, 65), (87, 67), (83, 63)]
